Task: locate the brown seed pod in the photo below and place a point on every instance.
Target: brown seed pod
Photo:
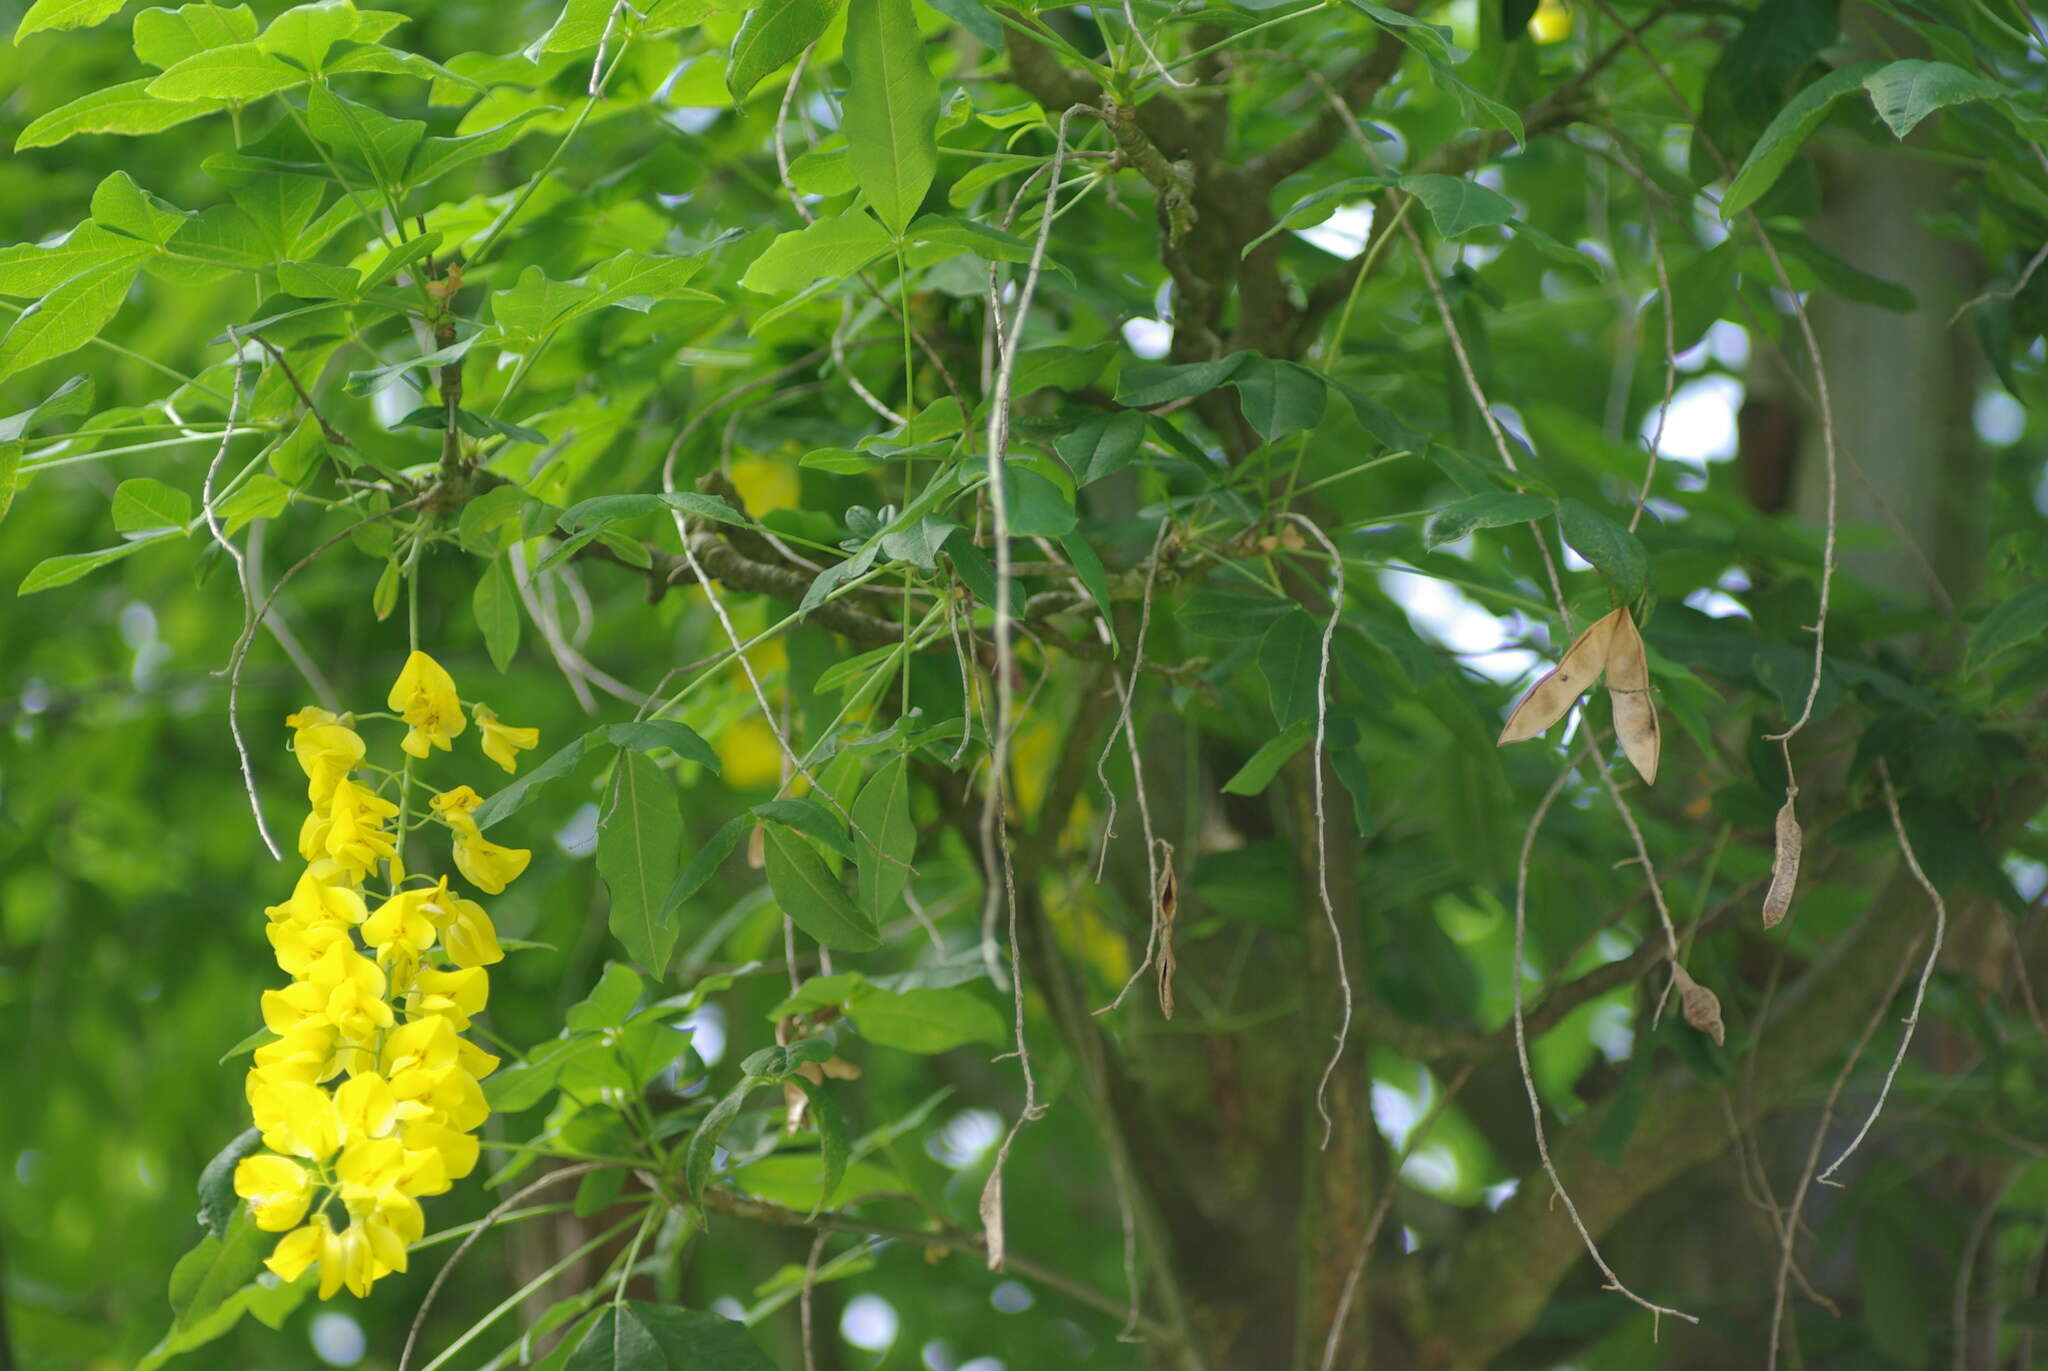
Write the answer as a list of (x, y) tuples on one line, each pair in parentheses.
[(1784, 866), (1168, 905), (1701, 1006), (1628, 687), (1551, 698)]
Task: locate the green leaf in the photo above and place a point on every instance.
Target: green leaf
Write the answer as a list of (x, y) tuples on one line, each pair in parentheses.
[(1318, 205), (236, 74), (811, 895), (68, 317), (496, 605), (10, 475), (1795, 123), (832, 1143), (206, 1276), (1494, 509), (1908, 91), (636, 856), (1230, 616), (602, 507), (52, 572), (164, 38), (698, 1340), (515, 796), (618, 1341), (882, 812), (436, 157), (1256, 774), (75, 396), (704, 1142), (262, 496), (65, 14), (809, 818), (1279, 397), (1101, 444), (1458, 204), (1058, 366), (1088, 566), (1037, 508), (1290, 659), (144, 504), (645, 735), (771, 35), (304, 34), (824, 251), (124, 108), (1144, 387), (217, 1198), (704, 863), (32, 269), (976, 18), (924, 1021), (891, 109), (361, 136), (2012, 621), (121, 205), (1612, 549), (1431, 39), (609, 1003)]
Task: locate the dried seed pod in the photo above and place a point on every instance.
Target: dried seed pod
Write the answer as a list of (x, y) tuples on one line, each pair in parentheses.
[(1167, 905), (1551, 698), (1784, 866), (1628, 687), (1702, 1007)]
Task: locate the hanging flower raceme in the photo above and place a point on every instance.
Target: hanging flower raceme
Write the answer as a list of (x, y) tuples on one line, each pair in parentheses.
[(368, 1097)]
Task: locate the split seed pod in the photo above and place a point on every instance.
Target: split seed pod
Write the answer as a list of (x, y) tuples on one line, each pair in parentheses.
[(1551, 698), (1784, 866), (1701, 1006), (1628, 687), (1167, 905)]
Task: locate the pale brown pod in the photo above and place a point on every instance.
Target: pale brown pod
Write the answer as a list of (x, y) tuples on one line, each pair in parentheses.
[(1551, 698), (1166, 907), (1628, 686), (1701, 1006), (1784, 866)]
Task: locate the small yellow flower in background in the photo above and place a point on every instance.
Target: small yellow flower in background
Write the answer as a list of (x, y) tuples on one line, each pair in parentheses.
[(765, 484), (424, 696), (277, 1188), (748, 755), (1552, 22), (501, 741), (454, 808)]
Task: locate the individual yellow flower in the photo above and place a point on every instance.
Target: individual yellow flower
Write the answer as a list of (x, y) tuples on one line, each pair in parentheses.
[(748, 755), (300, 946), (351, 830), (305, 1054), (458, 1150), (405, 918), (455, 995), (367, 1109), (346, 1259), (456, 807), (299, 1249), (1551, 23), (299, 1003), (484, 864), (424, 696), (467, 933), (322, 895), (502, 741), (326, 752), (355, 988), (295, 1119), (278, 1190)]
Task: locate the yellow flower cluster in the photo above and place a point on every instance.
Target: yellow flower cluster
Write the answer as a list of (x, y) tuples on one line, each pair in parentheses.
[(380, 997)]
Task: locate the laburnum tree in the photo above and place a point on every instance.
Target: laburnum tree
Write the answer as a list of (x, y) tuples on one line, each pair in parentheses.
[(982, 685)]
